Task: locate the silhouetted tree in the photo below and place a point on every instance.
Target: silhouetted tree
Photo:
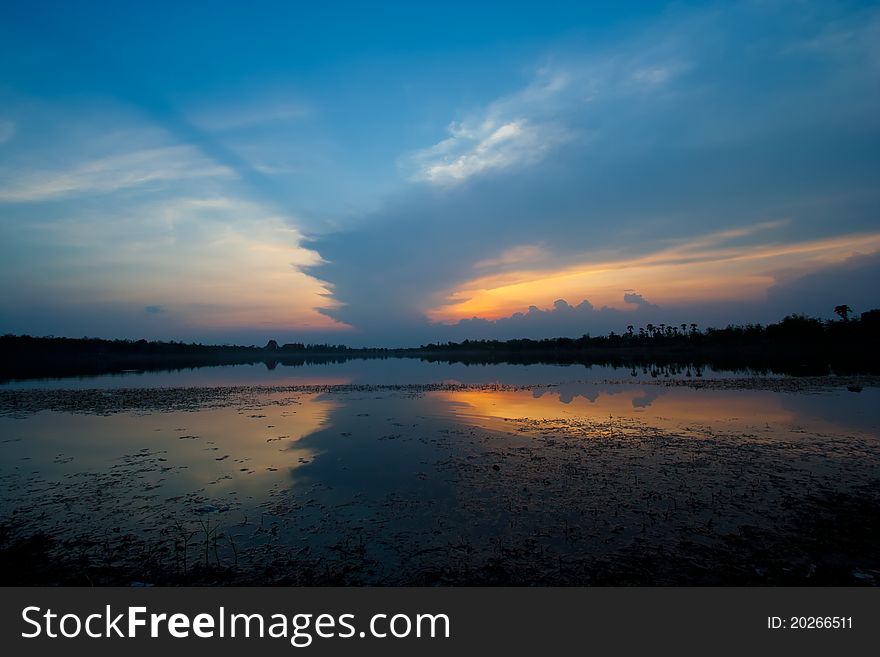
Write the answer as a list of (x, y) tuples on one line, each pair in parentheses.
[(843, 310), (871, 318)]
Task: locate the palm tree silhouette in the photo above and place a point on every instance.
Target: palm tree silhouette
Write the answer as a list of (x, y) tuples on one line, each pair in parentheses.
[(843, 310)]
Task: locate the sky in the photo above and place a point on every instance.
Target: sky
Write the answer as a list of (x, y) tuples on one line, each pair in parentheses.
[(397, 173)]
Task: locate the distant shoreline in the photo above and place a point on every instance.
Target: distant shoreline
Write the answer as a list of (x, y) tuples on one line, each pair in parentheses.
[(797, 345)]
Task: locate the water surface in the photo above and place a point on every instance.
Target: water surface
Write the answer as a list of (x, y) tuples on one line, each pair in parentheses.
[(557, 483), (371, 371)]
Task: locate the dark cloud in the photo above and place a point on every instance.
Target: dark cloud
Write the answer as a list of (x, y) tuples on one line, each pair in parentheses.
[(853, 282), (728, 134), (710, 120), (638, 300), (563, 319)]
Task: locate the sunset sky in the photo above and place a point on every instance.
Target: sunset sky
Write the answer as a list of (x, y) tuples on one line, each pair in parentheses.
[(397, 173)]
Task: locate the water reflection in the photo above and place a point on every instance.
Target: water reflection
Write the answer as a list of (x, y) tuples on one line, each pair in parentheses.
[(384, 371), (416, 471), (226, 455), (658, 406)]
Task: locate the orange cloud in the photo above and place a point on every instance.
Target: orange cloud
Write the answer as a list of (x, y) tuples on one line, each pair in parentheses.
[(216, 263), (707, 268)]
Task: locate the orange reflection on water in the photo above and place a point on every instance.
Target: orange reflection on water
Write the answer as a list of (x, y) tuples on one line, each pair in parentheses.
[(659, 406)]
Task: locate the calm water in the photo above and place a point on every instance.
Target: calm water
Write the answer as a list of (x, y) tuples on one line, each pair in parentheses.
[(393, 371), (390, 486)]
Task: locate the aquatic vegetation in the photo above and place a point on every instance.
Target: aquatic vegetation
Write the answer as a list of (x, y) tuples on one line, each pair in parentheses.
[(442, 484)]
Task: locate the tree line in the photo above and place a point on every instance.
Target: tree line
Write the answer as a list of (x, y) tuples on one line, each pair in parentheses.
[(796, 344), (794, 330)]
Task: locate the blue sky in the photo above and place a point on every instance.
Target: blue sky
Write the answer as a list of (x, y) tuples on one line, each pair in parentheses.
[(401, 172)]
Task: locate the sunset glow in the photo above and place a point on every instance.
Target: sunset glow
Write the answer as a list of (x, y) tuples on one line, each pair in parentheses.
[(694, 272), (353, 178)]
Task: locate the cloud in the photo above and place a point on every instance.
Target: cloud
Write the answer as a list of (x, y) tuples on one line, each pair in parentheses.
[(181, 266), (565, 101), (523, 128), (637, 300), (629, 165), (513, 131), (561, 319), (815, 293), (675, 140), (121, 221), (473, 150), (852, 282), (706, 267), (109, 174)]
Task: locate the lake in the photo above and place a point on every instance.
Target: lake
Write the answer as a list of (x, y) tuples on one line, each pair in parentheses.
[(396, 471), (371, 371)]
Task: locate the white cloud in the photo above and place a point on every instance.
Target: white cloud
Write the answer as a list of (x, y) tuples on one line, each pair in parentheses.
[(474, 150), (522, 128), (108, 174), (207, 262), (515, 130)]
